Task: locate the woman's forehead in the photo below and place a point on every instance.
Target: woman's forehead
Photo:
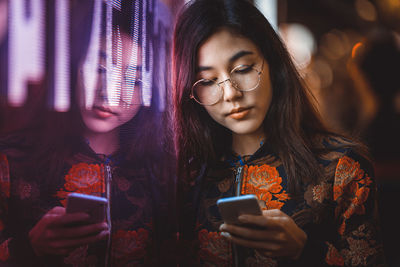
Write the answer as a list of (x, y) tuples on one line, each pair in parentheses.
[(225, 46)]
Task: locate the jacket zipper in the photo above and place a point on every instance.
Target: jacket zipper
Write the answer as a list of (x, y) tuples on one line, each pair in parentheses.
[(238, 182), (108, 212)]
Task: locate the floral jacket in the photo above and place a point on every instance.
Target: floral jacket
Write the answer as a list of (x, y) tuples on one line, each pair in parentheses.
[(337, 214), (133, 207)]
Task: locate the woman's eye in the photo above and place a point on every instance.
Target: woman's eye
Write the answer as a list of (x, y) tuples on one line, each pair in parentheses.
[(206, 82), (132, 81), (243, 69), (138, 82), (101, 70)]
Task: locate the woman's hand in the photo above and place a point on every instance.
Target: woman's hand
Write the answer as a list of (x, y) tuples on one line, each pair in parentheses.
[(56, 233), (273, 233)]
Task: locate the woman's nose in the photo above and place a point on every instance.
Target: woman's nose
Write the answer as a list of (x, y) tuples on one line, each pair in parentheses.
[(231, 93), (101, 86)]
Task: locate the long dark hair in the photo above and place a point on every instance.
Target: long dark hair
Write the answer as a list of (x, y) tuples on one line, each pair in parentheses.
[(293, 127)]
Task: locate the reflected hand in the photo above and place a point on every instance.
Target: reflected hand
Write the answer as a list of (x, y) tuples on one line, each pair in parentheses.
[(275, 234), (59, 233)]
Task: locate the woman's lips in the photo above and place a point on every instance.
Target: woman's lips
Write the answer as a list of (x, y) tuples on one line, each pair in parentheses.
[(239, 113), (103, 113)]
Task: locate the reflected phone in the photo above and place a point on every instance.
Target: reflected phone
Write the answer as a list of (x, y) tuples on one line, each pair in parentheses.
[(94, 206), (232, 207)]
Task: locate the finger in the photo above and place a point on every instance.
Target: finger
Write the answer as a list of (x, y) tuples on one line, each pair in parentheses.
[(70, 243), (260, 221), (250, 233), (60, 251), (68, 219), (273, 213), (268, 246), (49, 219), (57, 211), (75, 232)]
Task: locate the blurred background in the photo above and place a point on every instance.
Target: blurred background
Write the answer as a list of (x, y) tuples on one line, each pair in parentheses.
[(348, 52), (352, 65)]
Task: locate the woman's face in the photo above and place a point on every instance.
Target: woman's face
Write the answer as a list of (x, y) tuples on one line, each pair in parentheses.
[(241, 112), (102, 117)]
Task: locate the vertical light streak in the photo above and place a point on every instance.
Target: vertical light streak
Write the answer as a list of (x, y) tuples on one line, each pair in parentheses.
[(162, 21), (90, 65), (26, 48), (117, 4), (62, 56), (147, 70), (113, 92), (132, 71), (116, 74), (162, 77)]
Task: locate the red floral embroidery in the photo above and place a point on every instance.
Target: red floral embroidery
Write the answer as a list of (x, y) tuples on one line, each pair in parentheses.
[(333, 256), (4, 176), (361, 246), (351, 190), (260, 260), (83, 178), (4, 252), (214, 249), (123, 184), (321, 192), (347, 171), (129, 245), (24, 189), (264, 181), (358, 252)]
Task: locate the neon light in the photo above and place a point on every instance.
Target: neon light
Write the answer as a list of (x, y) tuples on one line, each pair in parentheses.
[(112, 91), (26, 48), (162, 20), (132, 72), (90, 65), (147, 70), (114, 88), (117, 4), (62, 56), (356, 48)]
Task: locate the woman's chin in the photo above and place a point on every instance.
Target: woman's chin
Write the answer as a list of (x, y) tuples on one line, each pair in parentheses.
[(100, 127)]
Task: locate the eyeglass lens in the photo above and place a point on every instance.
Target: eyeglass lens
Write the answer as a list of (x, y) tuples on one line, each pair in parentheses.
[(243, 78)]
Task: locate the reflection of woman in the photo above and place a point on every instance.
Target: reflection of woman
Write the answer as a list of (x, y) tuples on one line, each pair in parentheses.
[(114, 151), (245, 125)]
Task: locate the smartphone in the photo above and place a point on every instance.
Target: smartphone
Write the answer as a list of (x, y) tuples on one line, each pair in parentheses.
[(94, 206), (232, 207)]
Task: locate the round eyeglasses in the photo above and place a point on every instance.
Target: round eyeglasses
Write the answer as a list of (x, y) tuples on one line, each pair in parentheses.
[(243, 78)]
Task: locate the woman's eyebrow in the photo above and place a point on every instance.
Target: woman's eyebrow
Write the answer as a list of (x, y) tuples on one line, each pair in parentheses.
[(231, 60), (201, 68), (239, 55)]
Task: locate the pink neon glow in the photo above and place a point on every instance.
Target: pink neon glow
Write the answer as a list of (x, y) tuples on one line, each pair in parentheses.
[(26, 48), (62, 56)]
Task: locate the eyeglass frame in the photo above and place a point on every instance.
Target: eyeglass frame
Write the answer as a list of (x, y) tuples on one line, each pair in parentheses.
[(259, 72)]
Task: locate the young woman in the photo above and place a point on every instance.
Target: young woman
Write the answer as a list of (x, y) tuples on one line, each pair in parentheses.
[(245, 125), (114, 151)]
